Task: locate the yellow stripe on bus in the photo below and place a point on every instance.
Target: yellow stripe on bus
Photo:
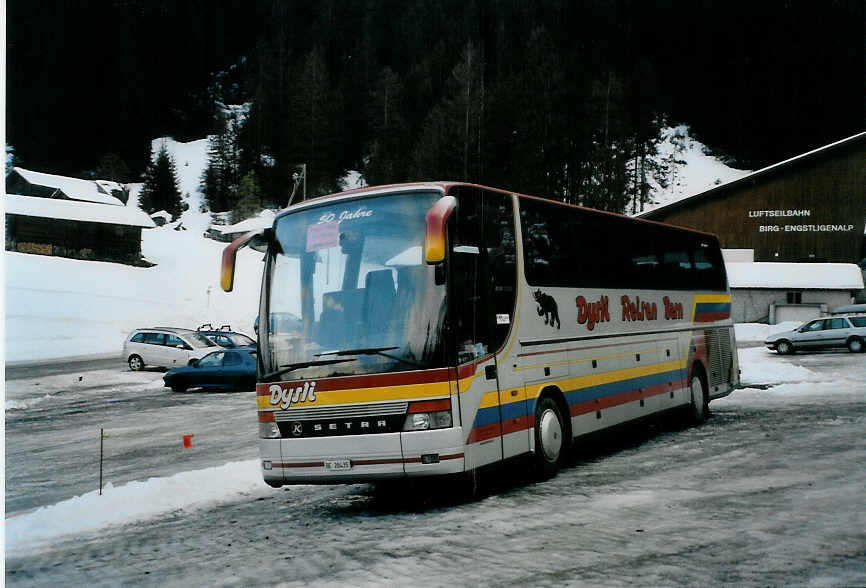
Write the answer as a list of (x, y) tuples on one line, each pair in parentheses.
[(590, 380), (379, 394), (707, 298)]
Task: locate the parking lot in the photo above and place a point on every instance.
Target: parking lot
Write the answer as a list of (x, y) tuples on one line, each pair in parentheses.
[(769, 491)]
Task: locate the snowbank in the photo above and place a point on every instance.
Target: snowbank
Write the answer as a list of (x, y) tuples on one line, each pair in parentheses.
[(133, 502), (755, 368), (757, 332)]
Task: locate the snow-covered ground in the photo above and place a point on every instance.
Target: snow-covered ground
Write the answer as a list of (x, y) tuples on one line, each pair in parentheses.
[(183, 495)]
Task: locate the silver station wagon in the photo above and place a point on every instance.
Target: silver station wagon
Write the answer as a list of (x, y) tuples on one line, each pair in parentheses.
[(824, 333), (165, 347)]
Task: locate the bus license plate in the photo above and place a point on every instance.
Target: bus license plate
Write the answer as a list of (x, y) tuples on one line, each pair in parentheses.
[(338, 464)]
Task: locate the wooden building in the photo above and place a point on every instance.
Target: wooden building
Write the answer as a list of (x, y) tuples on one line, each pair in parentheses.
[(808, 208), (76, 229), (31, 183)]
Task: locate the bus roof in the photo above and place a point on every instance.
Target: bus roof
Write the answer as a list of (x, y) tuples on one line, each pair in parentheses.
[(445, 185)]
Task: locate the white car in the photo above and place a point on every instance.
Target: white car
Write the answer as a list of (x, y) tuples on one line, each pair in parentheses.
[(165, 347), (823, 333)]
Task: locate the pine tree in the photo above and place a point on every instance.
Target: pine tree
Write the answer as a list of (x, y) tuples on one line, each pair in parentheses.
[(221, 177), (160, 190), (451, 141), (386, 151), (315, 109), (249, 198)]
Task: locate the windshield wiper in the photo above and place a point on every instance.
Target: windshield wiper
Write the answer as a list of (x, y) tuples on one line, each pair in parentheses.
[(284, 369), (371, 351)]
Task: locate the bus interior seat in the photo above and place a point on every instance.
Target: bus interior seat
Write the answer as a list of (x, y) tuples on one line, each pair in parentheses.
[(379, 298), (338, 323)]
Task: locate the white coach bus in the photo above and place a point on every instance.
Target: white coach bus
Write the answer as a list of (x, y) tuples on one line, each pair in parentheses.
[(434, 328)]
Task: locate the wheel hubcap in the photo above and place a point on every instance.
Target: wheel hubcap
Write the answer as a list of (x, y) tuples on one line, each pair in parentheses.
[(551, 435), (856, 346)]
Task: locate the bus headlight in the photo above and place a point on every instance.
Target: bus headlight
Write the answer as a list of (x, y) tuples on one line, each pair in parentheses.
[(268, 428), (428, 414)]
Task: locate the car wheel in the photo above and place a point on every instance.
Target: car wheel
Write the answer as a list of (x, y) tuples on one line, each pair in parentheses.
[(246, 384), (135, 363), (699, 408), (550, 433), (178, 388), (855, 345), (784, 347)]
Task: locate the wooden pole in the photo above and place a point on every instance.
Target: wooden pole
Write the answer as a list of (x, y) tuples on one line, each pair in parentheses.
[(101, 437)]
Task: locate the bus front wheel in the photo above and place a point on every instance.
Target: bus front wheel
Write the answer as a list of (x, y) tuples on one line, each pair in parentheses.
[(550, 441)]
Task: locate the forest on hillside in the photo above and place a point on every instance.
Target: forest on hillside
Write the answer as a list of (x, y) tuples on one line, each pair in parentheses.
[(553, 97)]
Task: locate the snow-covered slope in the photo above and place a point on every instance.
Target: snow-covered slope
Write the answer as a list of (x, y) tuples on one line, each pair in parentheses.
[(58, 307), (692, 171)]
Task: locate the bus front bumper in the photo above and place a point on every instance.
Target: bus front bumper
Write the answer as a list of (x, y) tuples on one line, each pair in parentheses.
[(362, 458)]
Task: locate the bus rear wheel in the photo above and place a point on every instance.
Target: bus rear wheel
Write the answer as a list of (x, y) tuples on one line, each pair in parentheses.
[(550, 437), (699, 408)]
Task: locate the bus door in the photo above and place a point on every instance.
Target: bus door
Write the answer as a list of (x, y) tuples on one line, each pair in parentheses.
[(483, 278)]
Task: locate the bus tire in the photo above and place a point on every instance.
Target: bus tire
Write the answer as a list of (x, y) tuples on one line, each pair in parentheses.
[(550, 437), (699, 404), (855, 345)]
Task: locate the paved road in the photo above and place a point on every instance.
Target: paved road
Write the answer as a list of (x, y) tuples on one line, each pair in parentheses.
[(79, 365), (769, 492)]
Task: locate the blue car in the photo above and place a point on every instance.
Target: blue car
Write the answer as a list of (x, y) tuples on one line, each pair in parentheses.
[(225, 337), (223, 370)]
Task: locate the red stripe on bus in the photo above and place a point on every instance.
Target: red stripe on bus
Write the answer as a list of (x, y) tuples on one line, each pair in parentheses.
[(483, 433), (522, 423), (624, 397), (364, 462), (517, 424), (709, 317)]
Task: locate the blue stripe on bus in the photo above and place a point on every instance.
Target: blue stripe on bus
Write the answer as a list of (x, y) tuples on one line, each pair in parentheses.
[(713, 307), (490, 414)]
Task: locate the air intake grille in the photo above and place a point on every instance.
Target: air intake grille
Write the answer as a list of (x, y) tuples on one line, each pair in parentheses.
[(719, 341), (342, 412), (327, 421)]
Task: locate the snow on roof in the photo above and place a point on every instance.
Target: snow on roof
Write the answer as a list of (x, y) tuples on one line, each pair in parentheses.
[(76, 211), (161, 214), (814, 276), (76, 189), (263, 221)]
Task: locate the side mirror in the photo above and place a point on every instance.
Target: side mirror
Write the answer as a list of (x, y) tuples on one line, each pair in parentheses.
[(255, 239), (193, 363), (435, 229)]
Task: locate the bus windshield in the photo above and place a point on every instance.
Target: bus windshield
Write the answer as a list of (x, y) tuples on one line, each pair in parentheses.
[(351, 276)]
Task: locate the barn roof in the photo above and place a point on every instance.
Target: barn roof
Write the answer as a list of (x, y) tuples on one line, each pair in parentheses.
[(756, 176), (74, 188), (76, 211), (795, 276)]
